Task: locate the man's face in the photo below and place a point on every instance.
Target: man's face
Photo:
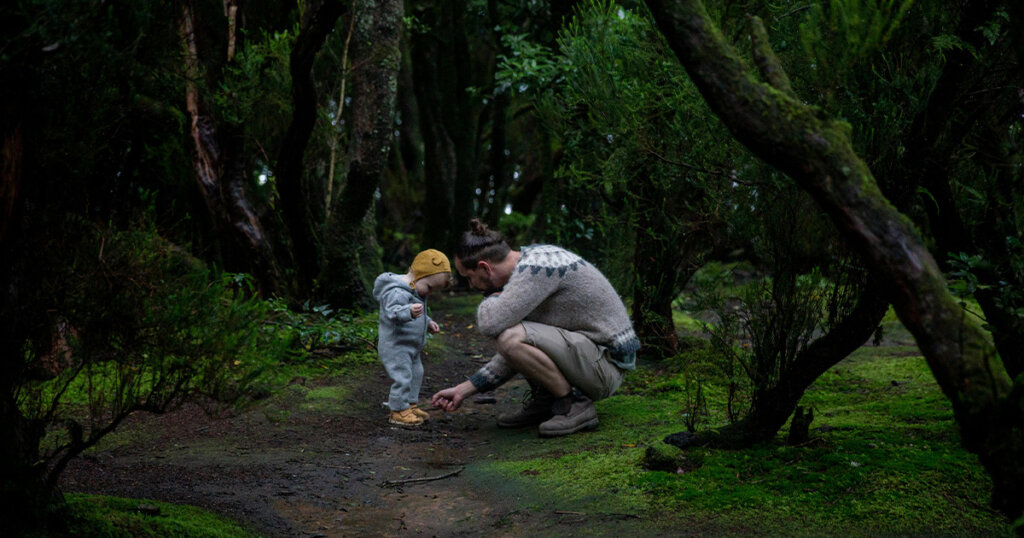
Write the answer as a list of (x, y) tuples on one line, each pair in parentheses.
[(481, 277)]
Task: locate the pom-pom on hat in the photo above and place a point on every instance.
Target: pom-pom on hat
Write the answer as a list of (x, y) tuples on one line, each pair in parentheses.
[(429, 262)]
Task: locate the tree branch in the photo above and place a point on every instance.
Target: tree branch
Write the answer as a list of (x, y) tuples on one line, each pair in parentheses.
[(393, 483), (764, 57)]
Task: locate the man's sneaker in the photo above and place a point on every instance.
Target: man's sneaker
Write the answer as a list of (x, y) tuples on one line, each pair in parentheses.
[(572, 413), (405, 417), (419, 412), (536, 409)]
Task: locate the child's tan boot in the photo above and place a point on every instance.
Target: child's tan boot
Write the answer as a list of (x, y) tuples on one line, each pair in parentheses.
[(405, 417), (419, 412)]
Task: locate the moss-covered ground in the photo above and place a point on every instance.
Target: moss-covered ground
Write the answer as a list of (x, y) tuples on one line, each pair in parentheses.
[(884, 459), (98, 516)]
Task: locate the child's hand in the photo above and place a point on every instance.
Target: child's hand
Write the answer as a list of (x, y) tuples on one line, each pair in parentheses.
[(433, 327), (416, 309)]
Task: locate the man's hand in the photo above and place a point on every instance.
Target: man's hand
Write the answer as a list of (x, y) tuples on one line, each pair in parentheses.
[(451, 398), (433, 327), (416, 309)]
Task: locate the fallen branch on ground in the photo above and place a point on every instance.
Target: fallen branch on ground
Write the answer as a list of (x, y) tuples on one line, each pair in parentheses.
[(393, 483)]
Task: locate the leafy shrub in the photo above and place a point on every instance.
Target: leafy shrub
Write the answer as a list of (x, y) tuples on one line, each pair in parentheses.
[(319, 330), (135, 324)]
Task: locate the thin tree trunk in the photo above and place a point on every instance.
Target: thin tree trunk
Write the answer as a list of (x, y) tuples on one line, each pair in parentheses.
[(376, 50), (439, 149), (463, 123), (771, 409), (299, 205), (818, 155), (338, 115)]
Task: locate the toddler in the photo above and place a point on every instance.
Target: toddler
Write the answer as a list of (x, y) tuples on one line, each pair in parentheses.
[(403, 328)]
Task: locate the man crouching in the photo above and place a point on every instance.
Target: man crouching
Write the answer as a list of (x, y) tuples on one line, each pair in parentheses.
[(557, 320)]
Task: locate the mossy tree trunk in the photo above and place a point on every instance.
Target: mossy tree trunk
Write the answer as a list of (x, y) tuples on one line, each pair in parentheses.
[(376, 52), (816, 152), (772, 407), (775, 400), (966, 107)]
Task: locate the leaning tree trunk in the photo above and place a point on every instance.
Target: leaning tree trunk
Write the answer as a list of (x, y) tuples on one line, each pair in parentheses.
[(377, 54), (960, 100), (818, 155), (220, 167)]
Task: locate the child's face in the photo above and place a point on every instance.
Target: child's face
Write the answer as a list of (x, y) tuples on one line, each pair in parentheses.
[(428, 284)]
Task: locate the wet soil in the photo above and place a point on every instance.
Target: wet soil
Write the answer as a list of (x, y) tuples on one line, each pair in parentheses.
[(294, 469)]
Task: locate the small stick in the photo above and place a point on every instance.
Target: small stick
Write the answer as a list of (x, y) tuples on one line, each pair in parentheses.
[(392, 483)]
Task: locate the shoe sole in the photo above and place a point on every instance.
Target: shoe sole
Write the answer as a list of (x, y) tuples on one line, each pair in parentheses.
[(409, 424), (586, 426), (521, 424)]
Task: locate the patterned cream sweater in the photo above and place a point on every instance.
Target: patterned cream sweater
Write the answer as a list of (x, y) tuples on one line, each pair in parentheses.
[(556, 287)]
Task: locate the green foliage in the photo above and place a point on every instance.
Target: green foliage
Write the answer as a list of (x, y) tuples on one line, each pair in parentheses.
[(318, 328), (971, 273), (528, 66), (862, 26), (111, 517), (138, 325), (870, 63), (256, 86), (635, 136)]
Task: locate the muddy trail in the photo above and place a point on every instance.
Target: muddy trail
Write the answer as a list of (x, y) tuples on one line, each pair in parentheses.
[(287, 466)]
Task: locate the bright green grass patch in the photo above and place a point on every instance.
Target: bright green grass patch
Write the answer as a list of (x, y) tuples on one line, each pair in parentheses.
[(114, 517), (885, 460), (685, 322)]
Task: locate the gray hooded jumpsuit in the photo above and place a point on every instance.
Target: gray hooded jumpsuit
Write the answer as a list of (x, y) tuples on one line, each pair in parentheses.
[(400, 338)]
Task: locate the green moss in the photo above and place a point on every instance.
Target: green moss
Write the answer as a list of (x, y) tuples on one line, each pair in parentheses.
[(329, 399), (885, 459), (114, 517)]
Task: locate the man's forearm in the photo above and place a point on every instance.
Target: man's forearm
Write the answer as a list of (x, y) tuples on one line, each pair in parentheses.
[(492, 375)]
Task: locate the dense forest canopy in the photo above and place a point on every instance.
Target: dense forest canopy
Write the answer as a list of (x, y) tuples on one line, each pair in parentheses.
[(174, 172)]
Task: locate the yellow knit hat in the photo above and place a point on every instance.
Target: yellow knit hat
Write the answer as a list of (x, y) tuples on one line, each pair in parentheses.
[(429, 262)]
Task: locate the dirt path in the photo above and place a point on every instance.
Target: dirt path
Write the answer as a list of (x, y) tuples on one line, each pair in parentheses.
[(289, 467)]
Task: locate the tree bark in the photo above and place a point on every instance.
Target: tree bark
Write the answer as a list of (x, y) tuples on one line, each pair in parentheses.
[(11, 155), (221, 173), (818, 155), (298, 201), (377, 53)]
